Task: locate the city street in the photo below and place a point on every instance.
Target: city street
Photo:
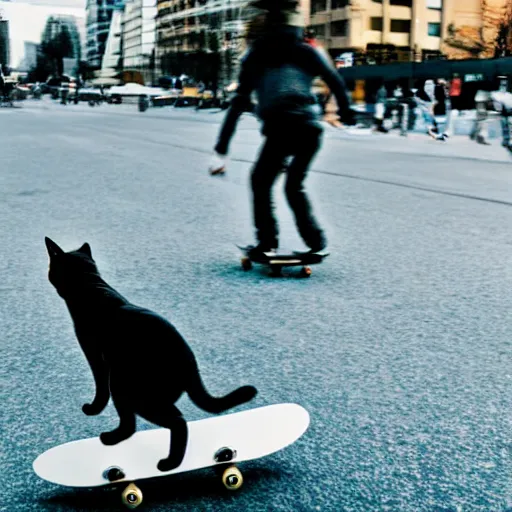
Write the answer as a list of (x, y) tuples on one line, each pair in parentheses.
[(399, 345)]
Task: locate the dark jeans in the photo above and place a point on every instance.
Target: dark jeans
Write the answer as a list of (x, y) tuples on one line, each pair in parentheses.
[(283, 141), (505, 126), (481, 116)]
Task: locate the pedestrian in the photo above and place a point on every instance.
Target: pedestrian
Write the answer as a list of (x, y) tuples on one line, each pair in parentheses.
[(455, 101), (64, 91), (439, 108), (79, 85), (370, 97), (2, 84), (503, 104), (280, 67), (374, 99), (380, 108), (404, 97), (482, 100), (425, 104)]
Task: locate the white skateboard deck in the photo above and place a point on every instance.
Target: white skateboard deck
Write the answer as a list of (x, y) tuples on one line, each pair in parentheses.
[(253, 434)]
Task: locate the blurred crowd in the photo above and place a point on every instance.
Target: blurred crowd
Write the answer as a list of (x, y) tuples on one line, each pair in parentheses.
[(388, 105)]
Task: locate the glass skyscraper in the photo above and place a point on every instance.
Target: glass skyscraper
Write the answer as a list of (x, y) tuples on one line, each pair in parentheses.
[(99, 16), (4, 43)]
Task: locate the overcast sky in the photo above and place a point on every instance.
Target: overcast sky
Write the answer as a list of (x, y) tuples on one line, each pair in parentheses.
[(80, 4), (27, 19)]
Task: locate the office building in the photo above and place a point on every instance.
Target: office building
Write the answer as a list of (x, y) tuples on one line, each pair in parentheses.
[(195, 36), (5, 55), (138, 36), (390, 30), (98, 21), (111, 61), (29, 59)]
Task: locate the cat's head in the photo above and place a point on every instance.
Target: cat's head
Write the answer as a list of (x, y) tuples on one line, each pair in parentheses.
[(66, 269)]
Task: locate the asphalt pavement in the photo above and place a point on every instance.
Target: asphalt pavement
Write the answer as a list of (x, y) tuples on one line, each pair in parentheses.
[(399, 345)]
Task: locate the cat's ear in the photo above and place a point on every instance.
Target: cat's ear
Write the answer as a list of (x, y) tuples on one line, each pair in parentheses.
[(86, 249), (53, 248)]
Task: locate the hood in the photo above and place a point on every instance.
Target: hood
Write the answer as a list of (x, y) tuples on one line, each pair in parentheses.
[(290, 11)]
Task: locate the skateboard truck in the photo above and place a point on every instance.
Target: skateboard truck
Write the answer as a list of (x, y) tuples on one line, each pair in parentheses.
[(224, 454), (113, 473), (231, 476)]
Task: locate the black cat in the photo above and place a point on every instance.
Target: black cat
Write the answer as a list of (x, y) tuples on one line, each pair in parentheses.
[(135, 355)]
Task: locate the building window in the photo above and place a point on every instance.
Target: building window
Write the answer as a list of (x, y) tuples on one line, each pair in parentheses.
[(339, 28), (434, 29), (401, 26), (377, 1), (403, 3), (318, 6), (376, 24), (435, 4), (431, 55), (319, 30), (339, 4)]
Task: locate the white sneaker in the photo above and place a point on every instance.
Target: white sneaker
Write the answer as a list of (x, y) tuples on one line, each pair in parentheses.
[(217, 164)]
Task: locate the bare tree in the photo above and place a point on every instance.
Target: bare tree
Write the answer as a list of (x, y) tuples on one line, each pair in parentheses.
[(503, 43), (56, 44), (487, 38)]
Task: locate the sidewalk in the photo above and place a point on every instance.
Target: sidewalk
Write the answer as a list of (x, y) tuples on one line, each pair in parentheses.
[(458, 146), (123, 109), (416, 142)]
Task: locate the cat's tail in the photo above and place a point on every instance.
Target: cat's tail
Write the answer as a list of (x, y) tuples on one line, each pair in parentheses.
[(198, 394)]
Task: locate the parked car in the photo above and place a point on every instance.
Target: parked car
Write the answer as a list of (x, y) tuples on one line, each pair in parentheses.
[(54, 86), (90, 95), (10, 93)]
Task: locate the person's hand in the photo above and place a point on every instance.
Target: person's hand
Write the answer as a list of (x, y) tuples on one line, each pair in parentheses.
[(217, 164), (333, 121)]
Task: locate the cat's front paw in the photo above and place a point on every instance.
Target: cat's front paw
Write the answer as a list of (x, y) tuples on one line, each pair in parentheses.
[(110, 438), (90, 409), (168, 464)]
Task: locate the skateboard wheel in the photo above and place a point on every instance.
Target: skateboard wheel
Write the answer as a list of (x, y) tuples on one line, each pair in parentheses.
[(132, 496), (306, 271), (232, 478), (113, 473), (246, 263), (275, 270)]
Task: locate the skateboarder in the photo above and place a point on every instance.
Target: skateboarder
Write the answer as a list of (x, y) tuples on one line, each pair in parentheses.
[(281, 67)]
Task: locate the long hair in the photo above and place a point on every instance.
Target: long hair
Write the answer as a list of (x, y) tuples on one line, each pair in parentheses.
[(256, 28)]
